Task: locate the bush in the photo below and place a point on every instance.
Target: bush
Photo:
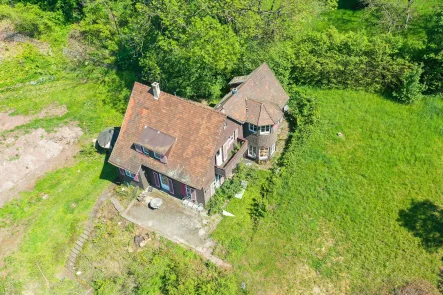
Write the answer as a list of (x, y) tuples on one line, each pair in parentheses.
[(411, 88), (229, 188), (29, 20), (333, 59)]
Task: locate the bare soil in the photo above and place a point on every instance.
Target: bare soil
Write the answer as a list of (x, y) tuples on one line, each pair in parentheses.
[(8, 122), (25, 158)]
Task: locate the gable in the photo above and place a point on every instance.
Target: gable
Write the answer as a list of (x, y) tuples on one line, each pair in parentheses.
[(259, 96)]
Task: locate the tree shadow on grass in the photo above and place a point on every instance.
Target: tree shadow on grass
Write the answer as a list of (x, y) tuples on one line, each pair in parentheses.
[(424, 220)]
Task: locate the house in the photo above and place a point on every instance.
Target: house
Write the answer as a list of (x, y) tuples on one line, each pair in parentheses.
[(257, 102), (188, 149)]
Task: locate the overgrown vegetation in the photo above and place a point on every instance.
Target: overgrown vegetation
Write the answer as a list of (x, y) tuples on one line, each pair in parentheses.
[(354, 204), (116, 265), (230, 188)]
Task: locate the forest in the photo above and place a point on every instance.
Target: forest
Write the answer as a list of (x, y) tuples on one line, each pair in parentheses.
[(360, 214)]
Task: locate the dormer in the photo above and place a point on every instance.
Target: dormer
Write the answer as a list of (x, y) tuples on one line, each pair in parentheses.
[(155, 144)]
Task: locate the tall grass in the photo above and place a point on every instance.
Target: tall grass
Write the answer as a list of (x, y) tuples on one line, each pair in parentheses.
[(336, 223)]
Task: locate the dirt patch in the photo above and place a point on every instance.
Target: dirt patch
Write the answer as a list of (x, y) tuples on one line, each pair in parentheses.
[(8, 122), (26, 158), (10, 239), (11, 42)]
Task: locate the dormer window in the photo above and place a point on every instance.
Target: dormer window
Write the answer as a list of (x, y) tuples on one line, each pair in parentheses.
[(138, 148), (145, 151), (252, 128)]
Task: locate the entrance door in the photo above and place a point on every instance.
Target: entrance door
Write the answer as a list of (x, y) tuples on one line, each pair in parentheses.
[(218, 158)]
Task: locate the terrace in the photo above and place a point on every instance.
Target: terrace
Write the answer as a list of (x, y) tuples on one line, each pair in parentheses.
[(237, 154)]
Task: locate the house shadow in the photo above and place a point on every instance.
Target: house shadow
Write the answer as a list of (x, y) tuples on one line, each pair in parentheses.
[(109, 172), (424, 220)]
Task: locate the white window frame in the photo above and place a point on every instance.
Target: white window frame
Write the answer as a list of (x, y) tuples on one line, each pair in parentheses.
[(189, 191), (231, 139), (145, 151), (252, 151), (217, 180), (138, 148), (253, 128), (164, 186), (266, 129), (272, 149), (157, 156), (129, 174), (259, 155)]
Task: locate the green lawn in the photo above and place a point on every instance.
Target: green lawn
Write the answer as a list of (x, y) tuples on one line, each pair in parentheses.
[(343, 219)]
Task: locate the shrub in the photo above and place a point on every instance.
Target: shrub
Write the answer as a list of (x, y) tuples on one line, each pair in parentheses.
[(411, 88), (229, 188)]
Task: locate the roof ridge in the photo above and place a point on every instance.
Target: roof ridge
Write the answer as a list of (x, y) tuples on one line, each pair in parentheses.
[(259, 114), (252, 74), (266, 109), (185, 100)]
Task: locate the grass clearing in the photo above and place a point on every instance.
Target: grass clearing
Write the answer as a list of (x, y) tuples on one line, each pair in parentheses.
[(52, 215), (336, 225)]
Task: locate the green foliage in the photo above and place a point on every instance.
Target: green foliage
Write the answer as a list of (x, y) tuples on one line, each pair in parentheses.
[(335, 212), (332, 59), (70, 10), (229, 188), (30, 20), (432, 56), (411, 88), (159, 268)]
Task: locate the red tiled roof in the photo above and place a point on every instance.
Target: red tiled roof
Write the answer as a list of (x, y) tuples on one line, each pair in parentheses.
[(196, 128), (259, 100)]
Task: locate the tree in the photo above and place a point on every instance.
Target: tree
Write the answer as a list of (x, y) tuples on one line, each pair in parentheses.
[(392, 15)]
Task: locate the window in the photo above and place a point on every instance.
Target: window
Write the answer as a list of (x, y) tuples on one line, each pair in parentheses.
[(157, 156), (129, 173), (272, 149), (190, 192), (265, 129), (164, 181), (231, 139), (252, 127), (145, 151), (263, 154), (138, 148), (252, 151), (218, 180)]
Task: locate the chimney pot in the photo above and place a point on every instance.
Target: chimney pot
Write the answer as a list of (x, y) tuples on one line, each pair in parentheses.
[(156, 90)]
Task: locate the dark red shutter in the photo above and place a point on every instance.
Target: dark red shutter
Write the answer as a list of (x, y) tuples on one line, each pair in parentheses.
[(183, 189), (171, 186), (156, 179)]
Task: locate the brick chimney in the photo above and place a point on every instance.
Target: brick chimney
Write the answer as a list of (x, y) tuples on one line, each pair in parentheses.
[(156, 90)]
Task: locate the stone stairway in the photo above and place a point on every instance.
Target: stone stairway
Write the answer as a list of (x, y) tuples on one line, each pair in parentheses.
[(78, 245)]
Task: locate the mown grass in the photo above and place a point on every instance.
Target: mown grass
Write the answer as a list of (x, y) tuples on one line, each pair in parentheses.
[(336, 222)]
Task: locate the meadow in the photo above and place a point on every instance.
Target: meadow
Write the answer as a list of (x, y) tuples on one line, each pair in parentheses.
[(358, 213)]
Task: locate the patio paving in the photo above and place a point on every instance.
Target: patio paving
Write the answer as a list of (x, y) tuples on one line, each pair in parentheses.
[(173, 221)]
